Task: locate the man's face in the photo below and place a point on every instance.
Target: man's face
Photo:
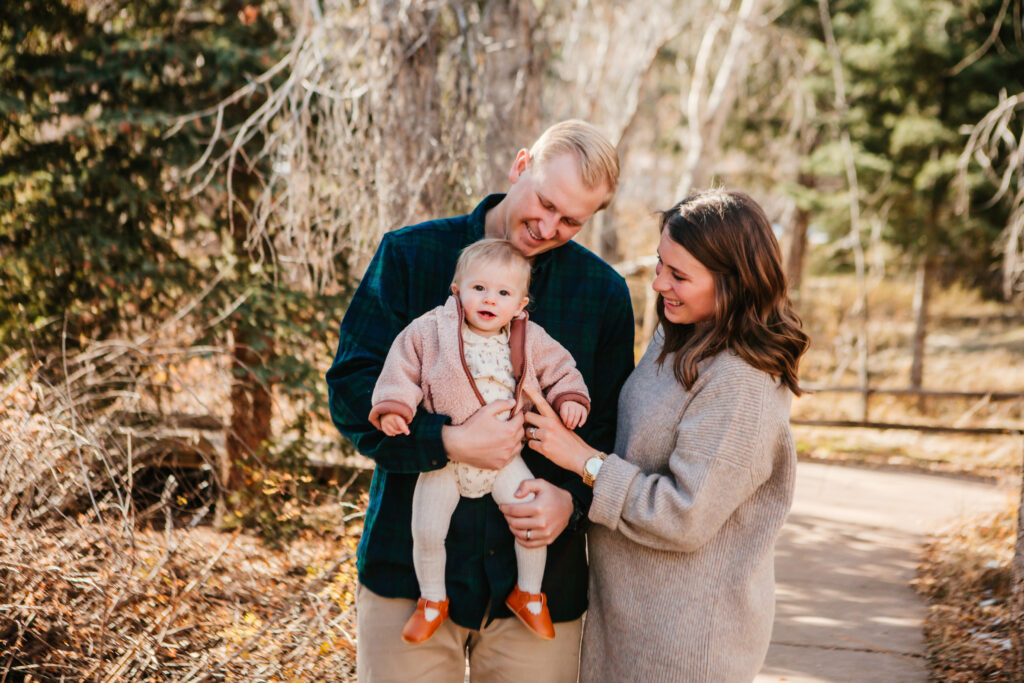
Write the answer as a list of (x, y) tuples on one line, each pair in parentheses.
[(547, 203)]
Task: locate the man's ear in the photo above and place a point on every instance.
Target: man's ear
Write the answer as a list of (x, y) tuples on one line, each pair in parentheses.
[(519, 165)]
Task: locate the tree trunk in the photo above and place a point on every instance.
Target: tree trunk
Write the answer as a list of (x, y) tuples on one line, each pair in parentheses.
[(251, 404), (798, 242), (251, 348), (922, 297)]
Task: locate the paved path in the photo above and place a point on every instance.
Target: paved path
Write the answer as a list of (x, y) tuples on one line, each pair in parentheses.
[(845, 612)]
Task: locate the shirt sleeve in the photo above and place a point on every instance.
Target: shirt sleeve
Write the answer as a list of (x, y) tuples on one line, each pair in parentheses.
[(614, 363), (721, 457), (378, 312)]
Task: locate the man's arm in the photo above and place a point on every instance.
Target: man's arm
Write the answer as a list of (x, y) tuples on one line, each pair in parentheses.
[(615, 362), (379, 310)]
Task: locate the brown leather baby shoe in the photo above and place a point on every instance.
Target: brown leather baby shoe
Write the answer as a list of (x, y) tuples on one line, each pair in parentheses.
[(538, 623), (418, 628)]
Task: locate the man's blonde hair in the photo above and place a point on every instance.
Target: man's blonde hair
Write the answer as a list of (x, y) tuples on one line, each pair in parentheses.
[(497, 251), (596, 156)]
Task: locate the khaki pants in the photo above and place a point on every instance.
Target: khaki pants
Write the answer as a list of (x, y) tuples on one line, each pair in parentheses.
[(503, 652)]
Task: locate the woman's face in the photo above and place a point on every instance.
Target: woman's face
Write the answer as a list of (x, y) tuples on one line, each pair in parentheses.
[(686, 287)]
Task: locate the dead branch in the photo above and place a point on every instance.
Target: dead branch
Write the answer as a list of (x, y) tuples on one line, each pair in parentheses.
[(995, 146)]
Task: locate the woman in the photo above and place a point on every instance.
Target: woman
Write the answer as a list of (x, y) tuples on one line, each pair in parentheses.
[(687, 509)]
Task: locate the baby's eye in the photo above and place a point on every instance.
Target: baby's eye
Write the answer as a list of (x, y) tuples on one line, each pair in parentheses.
[(505, 292), (478, 288)]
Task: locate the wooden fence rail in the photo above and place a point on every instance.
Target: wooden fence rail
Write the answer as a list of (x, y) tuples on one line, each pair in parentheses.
[(867, 392), (937, 393)]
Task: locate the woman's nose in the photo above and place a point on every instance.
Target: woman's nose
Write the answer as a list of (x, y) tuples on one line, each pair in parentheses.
[(659, 284)]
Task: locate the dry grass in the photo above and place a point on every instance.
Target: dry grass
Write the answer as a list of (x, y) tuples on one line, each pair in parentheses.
[(89, 601), (109, 568), (965, 576)]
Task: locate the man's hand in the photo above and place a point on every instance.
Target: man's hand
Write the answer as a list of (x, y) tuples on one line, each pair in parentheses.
[(394, 424), (545, 516), (485, 440), (573, 414)]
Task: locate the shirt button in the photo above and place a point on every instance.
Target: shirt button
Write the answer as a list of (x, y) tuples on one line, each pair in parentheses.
[(491, 552)]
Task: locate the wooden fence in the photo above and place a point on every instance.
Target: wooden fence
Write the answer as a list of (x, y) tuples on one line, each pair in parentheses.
[(866, 393)]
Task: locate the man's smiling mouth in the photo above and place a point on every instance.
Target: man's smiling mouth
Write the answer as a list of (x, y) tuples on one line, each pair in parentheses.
[(534, 236)]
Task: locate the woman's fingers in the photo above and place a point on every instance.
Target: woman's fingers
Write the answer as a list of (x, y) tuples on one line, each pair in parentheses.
[(541, 404)]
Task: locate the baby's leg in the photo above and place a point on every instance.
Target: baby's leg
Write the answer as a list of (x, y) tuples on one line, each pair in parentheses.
[(433, 502), (529, 560)]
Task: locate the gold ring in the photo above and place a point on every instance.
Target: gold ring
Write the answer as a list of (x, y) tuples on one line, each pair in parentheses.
[(533, 432), (528, 534)]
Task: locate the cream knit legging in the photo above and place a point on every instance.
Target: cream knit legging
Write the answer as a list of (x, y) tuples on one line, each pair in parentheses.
[(434, 501)]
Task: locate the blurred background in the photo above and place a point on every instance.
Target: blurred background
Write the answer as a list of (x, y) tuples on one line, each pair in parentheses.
[(190, 191)]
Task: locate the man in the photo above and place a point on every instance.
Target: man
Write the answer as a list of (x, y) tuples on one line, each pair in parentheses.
[(569, 174)]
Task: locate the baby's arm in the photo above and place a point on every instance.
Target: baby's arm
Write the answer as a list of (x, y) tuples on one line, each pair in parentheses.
[(559, 380), (573, 414), (397, 392)]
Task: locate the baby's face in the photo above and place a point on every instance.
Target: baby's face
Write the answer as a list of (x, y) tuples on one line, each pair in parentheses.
[(491, 295)]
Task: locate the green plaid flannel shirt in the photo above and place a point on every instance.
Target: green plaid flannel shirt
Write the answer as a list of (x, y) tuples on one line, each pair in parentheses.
[(583, 303)]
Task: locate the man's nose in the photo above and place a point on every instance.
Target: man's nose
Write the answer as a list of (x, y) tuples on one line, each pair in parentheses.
[(548, 225)]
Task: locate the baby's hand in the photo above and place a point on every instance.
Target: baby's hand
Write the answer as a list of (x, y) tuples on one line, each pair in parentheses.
[(573, 414), (394, 424)]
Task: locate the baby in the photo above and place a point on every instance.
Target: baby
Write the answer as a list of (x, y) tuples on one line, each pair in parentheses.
[(482, 335)]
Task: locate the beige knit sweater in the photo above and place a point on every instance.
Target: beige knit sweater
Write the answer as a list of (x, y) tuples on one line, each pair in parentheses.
[(687, 512)]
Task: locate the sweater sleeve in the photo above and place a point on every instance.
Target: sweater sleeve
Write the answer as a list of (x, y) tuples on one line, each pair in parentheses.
[(398, 387), (721, 457), (556, 371)]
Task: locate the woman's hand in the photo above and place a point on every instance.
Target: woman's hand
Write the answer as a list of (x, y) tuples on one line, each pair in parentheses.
[(547, 435)]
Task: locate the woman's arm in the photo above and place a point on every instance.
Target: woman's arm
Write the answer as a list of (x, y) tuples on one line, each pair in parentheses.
[(724, 445)]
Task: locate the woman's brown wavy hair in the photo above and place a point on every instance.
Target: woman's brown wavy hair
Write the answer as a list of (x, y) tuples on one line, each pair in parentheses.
[(731, 236)]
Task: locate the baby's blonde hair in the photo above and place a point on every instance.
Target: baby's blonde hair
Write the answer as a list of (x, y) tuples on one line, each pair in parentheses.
[(497, 251)]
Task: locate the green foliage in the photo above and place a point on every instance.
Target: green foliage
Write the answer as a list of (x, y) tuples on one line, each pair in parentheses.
[(96, 224), (101, 233), (915, 73)]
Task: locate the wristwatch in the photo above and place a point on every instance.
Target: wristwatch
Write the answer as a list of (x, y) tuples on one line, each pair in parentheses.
[(591, 467)]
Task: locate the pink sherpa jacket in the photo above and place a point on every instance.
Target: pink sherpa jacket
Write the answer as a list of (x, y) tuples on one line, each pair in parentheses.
[(426, 364)]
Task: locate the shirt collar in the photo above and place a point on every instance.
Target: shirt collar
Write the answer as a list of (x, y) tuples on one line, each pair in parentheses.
[(469, 335), (478, 218)]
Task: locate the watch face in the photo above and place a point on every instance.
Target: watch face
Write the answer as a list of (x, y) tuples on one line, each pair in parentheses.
[(593, 465)]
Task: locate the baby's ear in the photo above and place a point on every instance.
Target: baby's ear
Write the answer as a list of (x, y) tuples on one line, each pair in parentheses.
[(455, 289), (522, 305)]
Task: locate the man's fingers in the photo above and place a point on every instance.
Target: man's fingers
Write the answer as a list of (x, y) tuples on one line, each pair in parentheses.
[(527, 487), (543, 407)]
